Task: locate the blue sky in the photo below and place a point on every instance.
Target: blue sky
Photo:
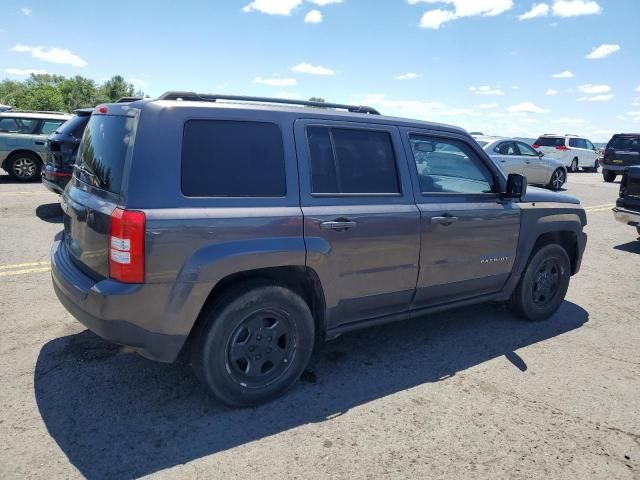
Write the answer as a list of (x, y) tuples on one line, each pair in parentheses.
[(485, 65)]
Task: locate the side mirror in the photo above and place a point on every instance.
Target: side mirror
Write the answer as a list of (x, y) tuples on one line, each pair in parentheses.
[(516, 186), (540, 154)]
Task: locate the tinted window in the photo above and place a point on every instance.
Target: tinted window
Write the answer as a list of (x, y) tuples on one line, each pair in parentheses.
[(550, 142), (589, 145), (449, 166), (627, 143), (351, 161), (74, 126), (577, 143), (103, 151), (526, 150), (16, 125), (232, 159), (49, 126), (506, 148)]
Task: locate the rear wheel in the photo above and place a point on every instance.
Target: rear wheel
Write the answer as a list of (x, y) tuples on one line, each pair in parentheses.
[(558, 179), (574, 165), (608, 176), (543, 285), (24, 167), (254, 344)]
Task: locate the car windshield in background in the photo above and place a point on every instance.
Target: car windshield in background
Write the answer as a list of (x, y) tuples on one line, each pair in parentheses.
[(550, 141), (482, 143), (103, 151), (627, 143), (74, 126)]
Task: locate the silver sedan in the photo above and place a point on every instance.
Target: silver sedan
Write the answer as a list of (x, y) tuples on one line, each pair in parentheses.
[(515, 156)]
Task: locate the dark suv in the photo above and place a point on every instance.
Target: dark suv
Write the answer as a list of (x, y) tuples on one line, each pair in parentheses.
[(622, 151), (627, 209), (244, 231)]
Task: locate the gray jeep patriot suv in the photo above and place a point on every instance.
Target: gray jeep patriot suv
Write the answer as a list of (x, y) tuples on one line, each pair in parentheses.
[(244, 231)]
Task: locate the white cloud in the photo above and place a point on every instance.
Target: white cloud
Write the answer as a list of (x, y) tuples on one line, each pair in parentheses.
[(638, 88), (597, 98), (634, 113), (276, 82), (593, 89), (273, 7), (408, 76), (24, 72), (53, 55), (403, 108), (603, 51), (526, 107), (322, 3), (461, 8), (488, 106), (573, 8), (565, 74), (486, 90), (26, 11), (538, 10), (290, 95), (570, 121), (312, 69), (314, 16), (551, 92), (137, 82)]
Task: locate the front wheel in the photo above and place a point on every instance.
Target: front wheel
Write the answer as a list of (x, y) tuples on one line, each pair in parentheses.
[(608, 176), (543, 285), (24, 167), (254, 344), (558, 179), (596, 165)]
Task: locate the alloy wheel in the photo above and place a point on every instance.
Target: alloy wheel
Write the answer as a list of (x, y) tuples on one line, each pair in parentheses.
[(24, 167), (557, 180)]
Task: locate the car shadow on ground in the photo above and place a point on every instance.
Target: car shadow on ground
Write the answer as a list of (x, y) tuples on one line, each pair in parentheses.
[(6, 179), (631, 247), (49, 212), (119, 415)]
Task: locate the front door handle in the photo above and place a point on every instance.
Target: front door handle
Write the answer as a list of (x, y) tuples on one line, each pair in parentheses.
[(339, 224), (444, 220), (39, 143)]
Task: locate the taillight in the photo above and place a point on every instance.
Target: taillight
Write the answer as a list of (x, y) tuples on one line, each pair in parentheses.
[(126, 246), (564, 148), (101, 109), (535, 145)]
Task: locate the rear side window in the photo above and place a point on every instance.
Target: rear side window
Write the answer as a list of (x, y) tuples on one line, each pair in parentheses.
[(103, 151), (74, 126), (628, 143), (17, 125), (232, 159), (345, 161), (49, 126), (550, 142), (577, 143)]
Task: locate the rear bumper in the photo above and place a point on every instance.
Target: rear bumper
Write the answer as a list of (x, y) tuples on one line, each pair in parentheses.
[(115, 311), (614, 168), (628, 217), (55, 179)]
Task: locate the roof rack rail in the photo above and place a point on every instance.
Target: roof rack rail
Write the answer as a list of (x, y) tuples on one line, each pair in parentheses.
[(205, 97), (36, 111)]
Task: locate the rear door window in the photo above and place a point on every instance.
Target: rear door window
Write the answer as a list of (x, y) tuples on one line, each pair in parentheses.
[(49, 126), (17, 125), (232, 159), (577, 143), (506, 148), (550, 142), (356, 161), (103, 151)]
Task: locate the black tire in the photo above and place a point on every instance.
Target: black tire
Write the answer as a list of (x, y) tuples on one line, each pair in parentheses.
[(596, 165), (537, 296), (240, 354), (558, 179), (24, 167), (574, 166), (608, 176)]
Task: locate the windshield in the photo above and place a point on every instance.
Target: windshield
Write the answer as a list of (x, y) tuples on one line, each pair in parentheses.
[(103, 151)]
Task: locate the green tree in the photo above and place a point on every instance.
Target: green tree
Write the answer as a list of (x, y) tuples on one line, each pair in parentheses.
[(114, 88), (11, 91), (40, 97), (317, 99), (78, 92)]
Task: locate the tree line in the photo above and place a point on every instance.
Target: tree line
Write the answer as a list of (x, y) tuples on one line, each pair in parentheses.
[(63, 94)]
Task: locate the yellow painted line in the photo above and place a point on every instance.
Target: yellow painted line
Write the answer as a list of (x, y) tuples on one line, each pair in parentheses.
[(598, 207), (20, 265), (26, 193), (26, 270), (606, 209)]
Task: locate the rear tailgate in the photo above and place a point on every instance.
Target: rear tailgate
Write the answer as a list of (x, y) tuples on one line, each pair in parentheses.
[(95, 191), (623, 150), (548, 145)]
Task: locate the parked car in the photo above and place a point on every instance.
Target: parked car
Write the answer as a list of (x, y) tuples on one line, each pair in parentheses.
[(627, 209), (573, 151), (4, 108), (61, 148), (622, 151), (514, 156), (22, 141), (271, 226)]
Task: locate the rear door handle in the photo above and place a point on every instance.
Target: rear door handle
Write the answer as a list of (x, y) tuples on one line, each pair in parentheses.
[(444, 220), (337, 224)]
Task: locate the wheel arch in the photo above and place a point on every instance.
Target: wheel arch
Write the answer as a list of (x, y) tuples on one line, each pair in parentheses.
[(20, 151)]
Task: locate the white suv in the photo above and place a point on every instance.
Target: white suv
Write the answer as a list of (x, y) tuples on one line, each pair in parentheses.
[(574, 151)]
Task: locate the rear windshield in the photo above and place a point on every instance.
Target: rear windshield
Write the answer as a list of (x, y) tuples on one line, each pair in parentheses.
[(103, 151), (628, 143), (74, 126), (550, 142)]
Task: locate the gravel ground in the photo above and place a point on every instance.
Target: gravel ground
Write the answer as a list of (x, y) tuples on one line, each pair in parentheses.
[(470, 393)]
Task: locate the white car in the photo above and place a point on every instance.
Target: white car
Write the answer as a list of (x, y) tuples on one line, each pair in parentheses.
[(573, 151), (515, 156)]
